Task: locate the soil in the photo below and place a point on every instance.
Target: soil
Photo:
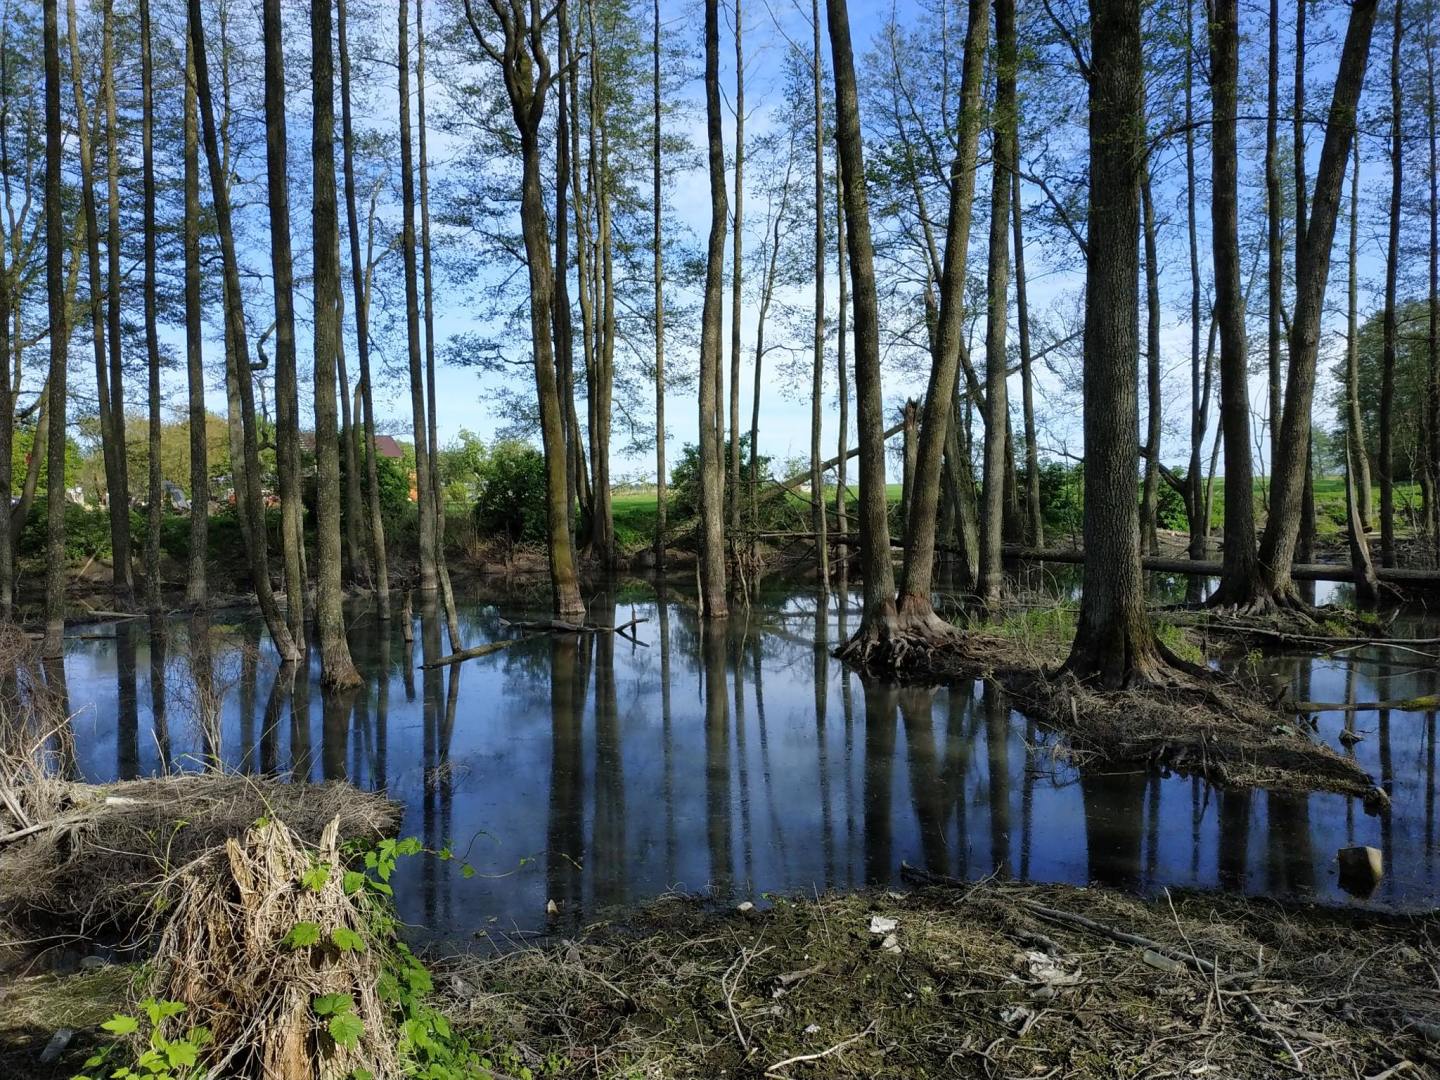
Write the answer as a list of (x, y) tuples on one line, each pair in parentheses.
[(983, 980)]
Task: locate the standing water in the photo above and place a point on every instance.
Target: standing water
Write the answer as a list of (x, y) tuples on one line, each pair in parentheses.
[(600, 770)]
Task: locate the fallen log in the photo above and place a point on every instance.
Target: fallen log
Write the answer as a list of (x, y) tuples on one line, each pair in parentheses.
[(1212, 568), (471, 654), (1415, 704)]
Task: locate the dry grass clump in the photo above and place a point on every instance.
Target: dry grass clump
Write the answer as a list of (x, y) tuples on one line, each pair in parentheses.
[(259, 929), (98, 857), (987, 980)]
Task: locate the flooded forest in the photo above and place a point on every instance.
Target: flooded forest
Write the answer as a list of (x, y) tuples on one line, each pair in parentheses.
[(688, 538)]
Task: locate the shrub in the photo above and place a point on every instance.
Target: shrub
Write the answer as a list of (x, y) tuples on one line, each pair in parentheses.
[(511, 501)]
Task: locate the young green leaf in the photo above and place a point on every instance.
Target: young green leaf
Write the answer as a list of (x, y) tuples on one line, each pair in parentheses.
[(302, 935), (345, 1028)]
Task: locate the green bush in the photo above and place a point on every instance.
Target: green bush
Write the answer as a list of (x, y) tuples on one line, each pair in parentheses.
[(684, 490), (87, 531), (511, 502)]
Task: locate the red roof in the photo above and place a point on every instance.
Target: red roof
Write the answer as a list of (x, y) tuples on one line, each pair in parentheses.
[(387, 447)]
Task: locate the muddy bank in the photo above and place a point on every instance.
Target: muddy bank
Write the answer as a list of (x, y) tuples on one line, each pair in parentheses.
[(986, 980)]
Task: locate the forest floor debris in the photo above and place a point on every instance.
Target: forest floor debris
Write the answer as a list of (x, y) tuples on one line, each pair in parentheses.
[(987, 979), (90, 856)]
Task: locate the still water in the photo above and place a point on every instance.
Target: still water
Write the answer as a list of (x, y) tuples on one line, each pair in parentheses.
[(599, 771)]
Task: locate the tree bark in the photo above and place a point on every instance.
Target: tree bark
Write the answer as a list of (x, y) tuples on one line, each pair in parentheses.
[(917, 573), (337, 670), (1432, 343), (1360, 457), (817, 367), (1114, 644), (425, 494), (1275, 243), (1154, 408), (1277, 545), (247, 492), (427, 280), (1386, 455), (661, 479), (196, 588), (378, 556), (842, 372), (287, 389), (53, 647), (1238, 576), (95, 281), (997, 401), (152, 337), (879, 611), (526, 69), (1034, 514), (120, 493), (712, 464), (1196, 502), (737, 220)]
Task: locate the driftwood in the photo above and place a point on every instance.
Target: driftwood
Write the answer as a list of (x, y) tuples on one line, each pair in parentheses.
[(1415, 704), (471, 654), (560, 626)]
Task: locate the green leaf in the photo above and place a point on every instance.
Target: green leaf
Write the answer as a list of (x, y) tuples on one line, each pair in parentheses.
[(362, 1074), (121, 1025), (315, 878), (302, 935), (352, 882), (181, 1054), (386, 987), (332, 1004), (345, 1028), (467, 871), (347, 940)]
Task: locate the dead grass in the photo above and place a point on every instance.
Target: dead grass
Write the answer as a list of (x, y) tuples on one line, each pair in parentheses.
[(982, 981), (101, 851)]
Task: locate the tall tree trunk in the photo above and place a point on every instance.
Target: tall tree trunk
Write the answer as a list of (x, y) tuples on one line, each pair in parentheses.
[(1275, 243), (817, 367), (247, 493), (7, 420), (712, 463), (1034, 514), (120, 493), (1277, 545), (528, 76), (661, 479), (53, 646), (1114, 642), (878, 615), (427, 278), (362, 325), (1386, 456), (152, 337), (95, 281), (737, 219), (425, 494), (602, 384), (196, 589), (1432, 342), (1239, 568), (914, 602), (337, 670), (1359, 455), (997, 400), (842, 374), (287, 389), (561, 315), (1154, 408), (1195, 502)]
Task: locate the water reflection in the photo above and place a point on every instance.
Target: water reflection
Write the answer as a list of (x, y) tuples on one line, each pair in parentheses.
[(598, 770)]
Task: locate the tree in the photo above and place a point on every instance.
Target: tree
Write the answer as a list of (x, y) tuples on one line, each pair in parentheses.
[(525, 66), (1386, 450), (120, 485), (359, 288), (817, 372), (247, 491), (657, 209), (287, 391), (196, 591), (424, 476), (878, 617), (997, 401), (737, 267), (914, 606), (1238, 570), (337, 670), (712, 465), (54, 646), (1292, 465), (1356, 454), (152, 337), (1115, 645)]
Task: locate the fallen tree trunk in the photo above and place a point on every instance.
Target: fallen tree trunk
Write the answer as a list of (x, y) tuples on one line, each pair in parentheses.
[(1208, 568), (471, 654)]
